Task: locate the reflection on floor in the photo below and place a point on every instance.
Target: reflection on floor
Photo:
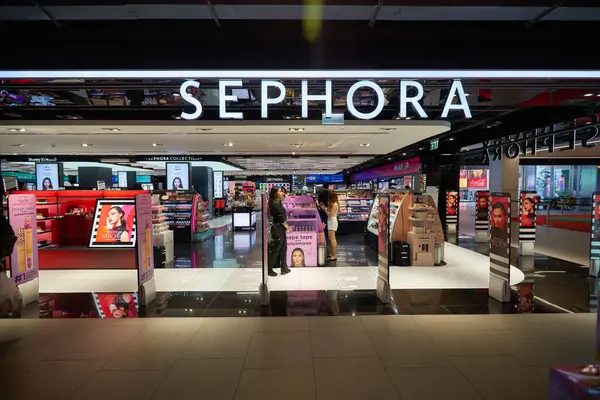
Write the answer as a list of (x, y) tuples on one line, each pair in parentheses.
[(229, 265), (464, 269)]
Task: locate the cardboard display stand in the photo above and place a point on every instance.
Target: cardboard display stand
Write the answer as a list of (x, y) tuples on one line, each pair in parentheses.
[(499, 287), (24, 269), (144, 250)]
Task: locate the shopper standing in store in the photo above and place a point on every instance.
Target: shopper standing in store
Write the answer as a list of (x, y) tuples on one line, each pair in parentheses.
[(279, 227), (322, 200), (333, 206)]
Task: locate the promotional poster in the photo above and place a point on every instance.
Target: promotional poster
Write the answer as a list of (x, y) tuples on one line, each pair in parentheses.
[(145, 252), (265, 233), (22, 218), (114, 224), (482, 211), (113, 305), (218, 184), (500, 236), (383, 249), (527, 217), (46, 176), (451, 207), (122, 175), (302, 249), (178, 176)]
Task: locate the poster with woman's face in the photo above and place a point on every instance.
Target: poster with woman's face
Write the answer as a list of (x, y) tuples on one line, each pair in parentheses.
[(113, 224), (451, 203), (301, 249), (178, 176), (46, 176), (528, 205), (113, 305)]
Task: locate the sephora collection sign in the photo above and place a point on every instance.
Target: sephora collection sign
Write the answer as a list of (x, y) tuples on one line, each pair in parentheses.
[(411, 93)]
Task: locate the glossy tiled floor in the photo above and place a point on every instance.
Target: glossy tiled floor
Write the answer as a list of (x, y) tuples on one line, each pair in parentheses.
[(491, 357)]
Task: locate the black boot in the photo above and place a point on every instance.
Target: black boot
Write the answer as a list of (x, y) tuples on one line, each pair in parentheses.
[(285, 270), (272, 273)]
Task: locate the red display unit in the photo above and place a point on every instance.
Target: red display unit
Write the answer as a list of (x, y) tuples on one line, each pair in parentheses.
[(64, 225)]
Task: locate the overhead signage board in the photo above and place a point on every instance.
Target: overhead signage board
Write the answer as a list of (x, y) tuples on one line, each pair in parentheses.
[(400, 168), (411, 94), (325, 178), (434, 144)]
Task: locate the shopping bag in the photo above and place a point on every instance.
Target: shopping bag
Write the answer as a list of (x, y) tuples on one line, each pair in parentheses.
[(11, 300)]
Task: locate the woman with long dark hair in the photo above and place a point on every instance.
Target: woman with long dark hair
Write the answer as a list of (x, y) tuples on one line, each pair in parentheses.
[(279, 227), (46, 184), (177, 184), (116, 223)]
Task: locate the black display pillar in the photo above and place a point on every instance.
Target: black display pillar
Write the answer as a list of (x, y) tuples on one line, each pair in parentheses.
[(131, 179), (202, 181), (89, 176)]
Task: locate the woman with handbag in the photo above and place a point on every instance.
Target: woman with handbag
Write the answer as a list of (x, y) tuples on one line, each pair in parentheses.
[(279, 227)]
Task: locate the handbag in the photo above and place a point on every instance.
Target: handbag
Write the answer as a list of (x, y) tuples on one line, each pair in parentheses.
[(11, 300)]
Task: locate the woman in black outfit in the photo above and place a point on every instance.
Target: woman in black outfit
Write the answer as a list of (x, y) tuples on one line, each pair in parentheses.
[(278, 246)]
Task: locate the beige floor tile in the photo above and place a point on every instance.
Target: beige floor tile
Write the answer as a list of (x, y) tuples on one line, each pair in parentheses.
[(337, 324), (154, 360), (352, 378), (501, 378), (393, 324), (201, 379), (219, 343), (467, 343), (413, 349), (274, 350), (555, 356), (127, 385), (55, 379), (282, 324), (276, 384), (340, 344), (229, 324), (432, 383)]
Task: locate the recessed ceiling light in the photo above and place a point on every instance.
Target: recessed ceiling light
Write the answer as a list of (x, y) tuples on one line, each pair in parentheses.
[(157, 144), (408, 117), (397, 117), (293, 153), (387, 129), (18, 145), (467, 94), (17, 130), (296, 129), (598, 95), (14, 154), (230, 144), (111, 129), (296, 145), (451, 139), (365, 144), (87, 145), (588, 95), (204, 129), (403, 154), (287, 117), (176, 116)]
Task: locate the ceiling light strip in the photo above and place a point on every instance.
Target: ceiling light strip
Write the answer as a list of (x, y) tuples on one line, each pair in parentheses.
[(288, 74)]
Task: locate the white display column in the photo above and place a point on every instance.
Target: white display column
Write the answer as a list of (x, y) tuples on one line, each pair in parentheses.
[(504, 177)]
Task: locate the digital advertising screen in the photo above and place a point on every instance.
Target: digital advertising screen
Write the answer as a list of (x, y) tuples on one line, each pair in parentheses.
[(482, 207), (47, 177), (500, 229), (218, 184), (325, 178), (528, 206), (122, 175), (178, 176), (114, 224)]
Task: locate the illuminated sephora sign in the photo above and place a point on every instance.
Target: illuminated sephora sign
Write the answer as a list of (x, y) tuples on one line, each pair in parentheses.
[(411, 93)]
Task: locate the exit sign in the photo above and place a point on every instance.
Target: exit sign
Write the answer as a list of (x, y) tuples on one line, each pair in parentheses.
[(434, 144)]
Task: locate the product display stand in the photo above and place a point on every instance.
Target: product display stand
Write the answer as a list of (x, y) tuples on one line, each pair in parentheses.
[(179, 210), (422, 243), (202, 231), (527, 223), (244, 218), (482, 217), (354, 210), (162, 236), (302, 238)]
